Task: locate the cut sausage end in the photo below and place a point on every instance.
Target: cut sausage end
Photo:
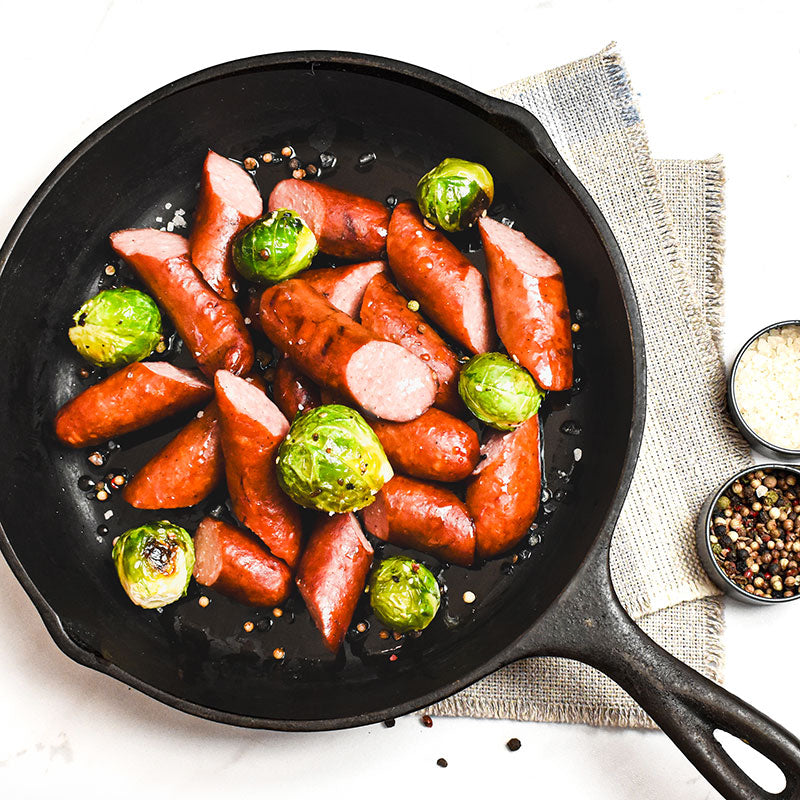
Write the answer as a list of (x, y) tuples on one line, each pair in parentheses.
[(250, 401), (302, 198), (375, 518), (166, 370), (233, 185), (207, 553), (516, 247), (149, 242), (344, 287)]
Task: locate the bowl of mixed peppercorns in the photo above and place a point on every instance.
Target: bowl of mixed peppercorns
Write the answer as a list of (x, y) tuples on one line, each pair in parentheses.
[(748, 535)]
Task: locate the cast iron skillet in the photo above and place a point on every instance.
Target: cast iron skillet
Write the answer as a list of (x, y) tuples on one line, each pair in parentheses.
[(557, 599)]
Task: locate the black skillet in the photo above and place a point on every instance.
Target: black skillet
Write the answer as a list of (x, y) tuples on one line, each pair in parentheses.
[(556, 599)]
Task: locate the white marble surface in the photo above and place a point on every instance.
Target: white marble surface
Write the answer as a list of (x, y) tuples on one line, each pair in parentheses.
[(714, 77)]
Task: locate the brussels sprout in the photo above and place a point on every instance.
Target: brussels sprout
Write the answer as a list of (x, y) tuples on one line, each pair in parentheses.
[(116, 327), (274, 247), (498, 391), (454, 194), (332, 460), (154, 563), (403, 594)]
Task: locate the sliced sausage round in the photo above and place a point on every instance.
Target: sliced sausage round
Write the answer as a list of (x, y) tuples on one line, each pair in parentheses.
[(344, 287)]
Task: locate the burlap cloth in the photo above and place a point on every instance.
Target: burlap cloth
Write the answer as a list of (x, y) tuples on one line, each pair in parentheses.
[(668, 219)]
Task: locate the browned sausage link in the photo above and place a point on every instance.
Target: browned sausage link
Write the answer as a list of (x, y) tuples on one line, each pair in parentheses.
[(232, 562), (343, 356), (344, 287), (530, 304), (434, 447), (293, 392), (212, 329), (503, 497), (252, 430), (332, 574), (184, 472), (385, 312), (346, 225), (228, 201), (432, 270), (424, 517), (131, 398)]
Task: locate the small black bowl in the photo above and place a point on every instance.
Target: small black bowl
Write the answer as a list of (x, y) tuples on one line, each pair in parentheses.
[(756, 442), (703, 532)]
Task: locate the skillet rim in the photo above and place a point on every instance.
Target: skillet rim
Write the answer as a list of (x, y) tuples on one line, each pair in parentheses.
[(502, 115)]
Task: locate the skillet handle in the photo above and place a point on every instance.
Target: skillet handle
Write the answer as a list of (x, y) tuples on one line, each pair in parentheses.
[(589, 624)]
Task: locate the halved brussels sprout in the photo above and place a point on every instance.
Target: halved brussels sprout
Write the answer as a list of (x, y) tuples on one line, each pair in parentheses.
[(116, 327), (404, 594), (154, 563), (274, 247), (332, 460), (454, 194), (498, 391)]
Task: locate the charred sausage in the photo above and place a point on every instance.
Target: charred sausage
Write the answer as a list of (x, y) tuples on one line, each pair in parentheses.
[(230, 561), (293, 392), (332, 574), (228, 201), (212, 328), (341, 355), (346, 225), (424, 517), (131, 398), (344, 287), (530, 304), (503, 497), (433, 271)]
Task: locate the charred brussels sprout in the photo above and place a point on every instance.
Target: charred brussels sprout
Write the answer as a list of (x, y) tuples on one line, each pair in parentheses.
[(154, 563), (332, 461), (454, 194), (404, 594), (116, 327), (498, 391), (274, 247)]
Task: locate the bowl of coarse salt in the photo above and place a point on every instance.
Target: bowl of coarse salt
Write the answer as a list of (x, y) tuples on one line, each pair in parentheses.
[(764, 390)]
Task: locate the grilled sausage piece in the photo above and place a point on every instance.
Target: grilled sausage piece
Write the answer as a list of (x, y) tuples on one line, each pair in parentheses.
[(346, 225), (434, 447), (212, 329), (343, 356), (293, 391), (422, 516), (185, 471), (385, 312), (344, 287), (131, 398), (252, 430), (432, 270), (332, 574), (530, 304), (503, 497), (232, 562), (228, 201)]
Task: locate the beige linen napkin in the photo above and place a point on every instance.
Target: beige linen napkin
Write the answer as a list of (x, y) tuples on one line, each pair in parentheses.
[(668, 219)]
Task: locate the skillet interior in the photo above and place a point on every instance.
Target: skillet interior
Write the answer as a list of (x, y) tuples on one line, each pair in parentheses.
[(201, 659)]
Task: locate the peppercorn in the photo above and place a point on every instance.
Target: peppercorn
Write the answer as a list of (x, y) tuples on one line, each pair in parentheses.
[(513, 744)]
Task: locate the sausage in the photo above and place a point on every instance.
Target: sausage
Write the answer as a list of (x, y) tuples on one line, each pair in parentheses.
[(212, 328), (431, 269), (252, 430), (503, 497), (422, 516), (434, 447), (385, 312), (293, 392), (343, 287), (346, 225), (332, 574), (184, 472), (530, 304), (230, 561), (339, 354), (228, 201), (131, 398)]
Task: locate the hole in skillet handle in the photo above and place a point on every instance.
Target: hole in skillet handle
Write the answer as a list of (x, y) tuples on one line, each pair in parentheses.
[(764, 772)]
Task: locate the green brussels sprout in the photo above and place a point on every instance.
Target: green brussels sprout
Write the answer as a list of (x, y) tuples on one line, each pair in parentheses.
[(498, 391), (116, 327), (404, 594), (154, 563), (454, 194), (274, 247), (332, 460)]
